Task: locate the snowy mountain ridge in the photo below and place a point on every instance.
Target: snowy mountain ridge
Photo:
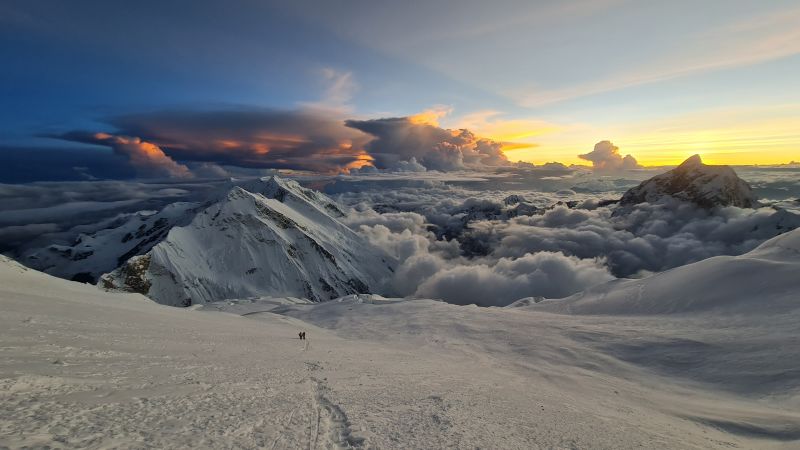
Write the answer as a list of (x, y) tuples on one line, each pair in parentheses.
[(268, 237), (127, 235), (692, 181)]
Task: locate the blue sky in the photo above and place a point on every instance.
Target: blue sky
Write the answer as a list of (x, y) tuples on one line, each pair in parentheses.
[(556, 76)]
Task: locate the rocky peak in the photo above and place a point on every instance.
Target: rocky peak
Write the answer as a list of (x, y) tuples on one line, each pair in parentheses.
[(291, 193), (692, 161), (693, 181), (514, 199)]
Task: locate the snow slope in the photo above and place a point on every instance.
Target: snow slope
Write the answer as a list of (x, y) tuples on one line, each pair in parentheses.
[(762, 282), (80, 367), (265, 237), (693, 181)]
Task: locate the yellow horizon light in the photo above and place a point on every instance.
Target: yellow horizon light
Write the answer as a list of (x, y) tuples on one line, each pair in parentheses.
[(757, 137)]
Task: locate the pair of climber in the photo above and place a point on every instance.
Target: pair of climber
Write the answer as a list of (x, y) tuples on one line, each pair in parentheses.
[(302, 335)]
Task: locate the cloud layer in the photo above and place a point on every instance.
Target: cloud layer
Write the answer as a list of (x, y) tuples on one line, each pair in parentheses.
[(644, 239), (494, 247), (37, 214), (434, 268), (488, 241)]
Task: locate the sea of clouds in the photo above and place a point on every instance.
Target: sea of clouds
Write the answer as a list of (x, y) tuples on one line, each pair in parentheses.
[(472, 242), (482, 238)]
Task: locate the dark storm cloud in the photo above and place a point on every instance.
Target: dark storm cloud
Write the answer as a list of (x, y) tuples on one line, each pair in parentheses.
[(175, 143), (308, 139), (401, 141)]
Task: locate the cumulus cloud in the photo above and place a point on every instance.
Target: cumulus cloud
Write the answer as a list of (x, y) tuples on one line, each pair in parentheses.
[(543, 274), (146, 158), (567, 250), (84, 173), (402, 141), (606, 158), (647, 238), (435, 268), (410, 166)]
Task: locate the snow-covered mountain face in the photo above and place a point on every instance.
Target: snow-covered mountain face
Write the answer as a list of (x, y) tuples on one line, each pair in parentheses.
[(118, 239), (128, 235), (704, 185), (265, 237)]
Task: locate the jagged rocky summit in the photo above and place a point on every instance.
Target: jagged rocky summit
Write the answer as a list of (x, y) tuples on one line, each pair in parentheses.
[(705, 185)]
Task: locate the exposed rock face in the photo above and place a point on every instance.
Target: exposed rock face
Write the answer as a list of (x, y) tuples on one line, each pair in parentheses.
[(270, 237), (514, 199), (704, 185)]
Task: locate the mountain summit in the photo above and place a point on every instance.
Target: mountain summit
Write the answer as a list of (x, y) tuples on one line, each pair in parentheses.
[(269, 237), (692, 181)]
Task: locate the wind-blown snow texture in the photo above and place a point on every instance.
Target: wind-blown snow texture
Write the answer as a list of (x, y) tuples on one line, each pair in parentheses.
[(80, 367), (265, 237)]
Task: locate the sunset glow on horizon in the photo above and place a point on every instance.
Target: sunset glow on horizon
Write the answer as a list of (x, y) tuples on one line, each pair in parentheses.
[(333, 88), (733, 137)]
